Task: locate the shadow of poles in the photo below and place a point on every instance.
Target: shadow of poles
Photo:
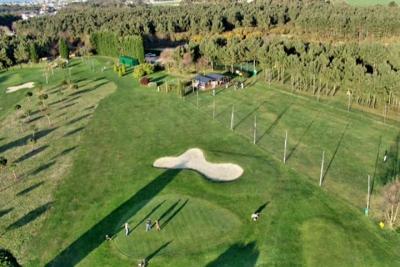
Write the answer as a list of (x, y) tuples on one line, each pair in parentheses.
[(275, 122), (300, 140), (95, 236), (249, 114), (376, 164), (335, 152)]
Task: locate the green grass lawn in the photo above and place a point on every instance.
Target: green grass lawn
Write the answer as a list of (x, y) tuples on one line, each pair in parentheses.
[(109, 180)]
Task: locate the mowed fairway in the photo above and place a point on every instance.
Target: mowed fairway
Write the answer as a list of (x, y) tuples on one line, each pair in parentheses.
[(111, 181)]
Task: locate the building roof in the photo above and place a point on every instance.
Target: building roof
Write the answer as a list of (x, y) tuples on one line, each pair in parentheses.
[(216, 76), (202, 79), (209, 77)]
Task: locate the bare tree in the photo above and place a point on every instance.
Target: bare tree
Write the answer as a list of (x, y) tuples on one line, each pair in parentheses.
[(391, 203)]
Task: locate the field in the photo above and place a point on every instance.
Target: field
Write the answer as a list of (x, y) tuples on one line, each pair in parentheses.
[(91, 171), (369, 2)]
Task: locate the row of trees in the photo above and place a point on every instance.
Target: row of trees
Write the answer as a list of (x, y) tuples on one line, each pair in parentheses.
[(369, 73), (312, 16), (110, 44)]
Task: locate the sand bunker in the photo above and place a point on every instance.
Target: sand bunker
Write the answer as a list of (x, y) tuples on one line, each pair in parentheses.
[(19, 87), (194, 159)]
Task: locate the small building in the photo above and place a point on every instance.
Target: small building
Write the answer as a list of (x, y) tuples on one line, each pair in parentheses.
[(128, 61), (209, 81)]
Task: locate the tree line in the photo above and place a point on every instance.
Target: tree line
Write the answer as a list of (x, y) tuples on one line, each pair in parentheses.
[(110, 44)]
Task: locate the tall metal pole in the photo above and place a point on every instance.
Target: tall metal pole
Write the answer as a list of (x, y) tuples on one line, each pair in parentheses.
[(197, 98), (214, 109), (284, 152), (232, 117), (321, 175), (255, 130)]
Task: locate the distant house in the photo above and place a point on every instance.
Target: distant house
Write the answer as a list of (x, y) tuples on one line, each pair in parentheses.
[(128, 61), (209, 81)]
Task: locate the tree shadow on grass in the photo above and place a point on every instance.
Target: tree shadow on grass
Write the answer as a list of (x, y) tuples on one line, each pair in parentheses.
[(29, 189), (67, 105), (31, 154), (29, 217), (109, 225), (42, 168), (64, 152), (5, 212), (77, 130), (335, 152), (157, 251), (83, 91), (34, 119), (22, 141), (78, 119), (376, 164), (175, 213), (237, 255), (275, 122), (159, 80)]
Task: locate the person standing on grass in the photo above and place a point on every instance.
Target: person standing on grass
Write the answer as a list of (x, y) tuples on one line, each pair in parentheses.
[(126, 225), (158, 225), (148, 225)]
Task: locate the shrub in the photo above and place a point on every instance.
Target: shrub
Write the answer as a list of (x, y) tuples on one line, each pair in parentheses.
[(144, 81), (142, 70)]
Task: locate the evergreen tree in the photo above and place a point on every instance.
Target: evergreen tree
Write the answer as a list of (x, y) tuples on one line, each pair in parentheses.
[(33, 53), (63, 48)]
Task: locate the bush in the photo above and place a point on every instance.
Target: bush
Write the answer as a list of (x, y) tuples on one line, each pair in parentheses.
[(144, 81), (7, 259), (142, 70)]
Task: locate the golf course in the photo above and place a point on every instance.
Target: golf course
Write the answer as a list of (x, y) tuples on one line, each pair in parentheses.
[(90, 171)]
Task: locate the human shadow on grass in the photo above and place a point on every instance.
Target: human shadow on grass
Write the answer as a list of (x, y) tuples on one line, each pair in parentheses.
[(174, 213), (109, 225), (237, 255), (249, 114), (169, 210), (275, 122), (148, 215), (42, 168), (335, 152), (31, 154), (23, 141), (300, 140), (157, 251), (29, 217), (262, 207), (5, 212), (77, 130), (29, 189)]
